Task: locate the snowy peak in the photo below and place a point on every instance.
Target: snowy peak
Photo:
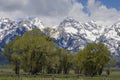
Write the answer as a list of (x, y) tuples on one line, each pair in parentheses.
[(31, 24), (38, 23), (75, 35), (9, 28), (117, 27), (6, 27), (117, 24), (26, 24), (89, 30), (93, 30), (70, 26), (4, 20), (69, 34), (70, 22), (91, 25), (72, 35)]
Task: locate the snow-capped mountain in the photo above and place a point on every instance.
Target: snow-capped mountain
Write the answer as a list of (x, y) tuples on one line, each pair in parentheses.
[(75, 35), (9, 29), (72, 35), (69, 34)]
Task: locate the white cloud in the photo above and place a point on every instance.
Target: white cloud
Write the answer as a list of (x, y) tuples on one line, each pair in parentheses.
[(52, 12), (102, 14), (77, 12)]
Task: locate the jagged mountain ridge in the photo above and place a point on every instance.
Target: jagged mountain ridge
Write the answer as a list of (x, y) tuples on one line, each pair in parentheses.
[(70, 34), (75, 35), (9, 29)]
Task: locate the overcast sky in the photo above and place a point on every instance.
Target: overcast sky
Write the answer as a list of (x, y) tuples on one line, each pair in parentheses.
[(52, 12)]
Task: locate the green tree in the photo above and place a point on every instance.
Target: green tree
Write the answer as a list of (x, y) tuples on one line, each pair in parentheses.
[(77, 63), (12, 52), (64, 61), (94, 57), (31, 52)]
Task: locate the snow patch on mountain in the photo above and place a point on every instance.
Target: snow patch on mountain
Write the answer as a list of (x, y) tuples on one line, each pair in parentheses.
[(38, 23), (69, 34), (71, 30), (9, 29), (75, 36)]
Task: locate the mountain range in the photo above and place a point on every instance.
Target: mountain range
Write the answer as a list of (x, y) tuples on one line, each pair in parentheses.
[(69, 34)]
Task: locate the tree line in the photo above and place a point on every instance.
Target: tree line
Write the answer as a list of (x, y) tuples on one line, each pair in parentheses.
[(35, 52)]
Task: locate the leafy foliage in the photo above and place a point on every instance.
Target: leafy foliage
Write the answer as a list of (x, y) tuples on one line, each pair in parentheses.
[(93, 58), (36, 52)]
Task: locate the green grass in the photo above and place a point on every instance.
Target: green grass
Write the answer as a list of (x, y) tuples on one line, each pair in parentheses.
[(8, 74)]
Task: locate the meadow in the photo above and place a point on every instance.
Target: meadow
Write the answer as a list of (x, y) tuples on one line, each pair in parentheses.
[(6, 73)]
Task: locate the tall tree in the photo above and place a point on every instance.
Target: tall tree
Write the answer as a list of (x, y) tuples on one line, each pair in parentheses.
[(94, 57), (64, 58), (31, 51), (12, 52)]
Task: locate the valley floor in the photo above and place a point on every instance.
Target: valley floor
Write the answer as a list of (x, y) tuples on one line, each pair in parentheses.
[(8, 74)]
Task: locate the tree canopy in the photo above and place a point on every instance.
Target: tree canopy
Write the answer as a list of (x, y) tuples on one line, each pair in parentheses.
[(36, 52), (93, 58)]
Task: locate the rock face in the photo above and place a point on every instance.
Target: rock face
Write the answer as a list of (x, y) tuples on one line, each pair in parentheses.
[(75, 36), (10, 29), (69, 34)]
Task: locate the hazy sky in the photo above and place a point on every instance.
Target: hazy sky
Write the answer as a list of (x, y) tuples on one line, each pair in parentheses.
[(52, 12)]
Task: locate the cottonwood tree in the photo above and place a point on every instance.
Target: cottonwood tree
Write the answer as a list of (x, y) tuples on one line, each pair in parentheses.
[(30, 52), (93, 58)]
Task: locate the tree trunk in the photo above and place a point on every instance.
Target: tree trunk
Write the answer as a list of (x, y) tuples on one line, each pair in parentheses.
[(17, 68), (100, 71)]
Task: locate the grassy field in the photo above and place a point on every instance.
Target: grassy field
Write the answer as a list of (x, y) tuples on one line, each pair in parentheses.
[(7, 74)]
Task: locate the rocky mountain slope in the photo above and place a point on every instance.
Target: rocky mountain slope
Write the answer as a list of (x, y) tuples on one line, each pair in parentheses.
[(69, 34)]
